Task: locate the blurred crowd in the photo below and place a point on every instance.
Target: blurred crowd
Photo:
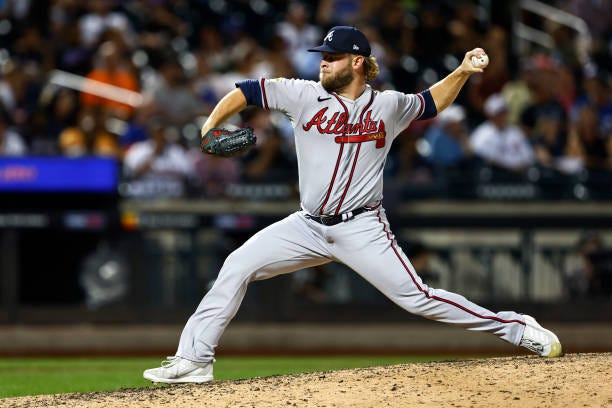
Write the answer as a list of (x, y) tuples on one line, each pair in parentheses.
[(168, 62)]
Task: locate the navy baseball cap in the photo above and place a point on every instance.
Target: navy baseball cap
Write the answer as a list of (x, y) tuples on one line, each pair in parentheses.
[(341, 39)]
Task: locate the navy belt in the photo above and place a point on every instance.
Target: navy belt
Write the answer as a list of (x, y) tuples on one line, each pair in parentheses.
[(337, 219)]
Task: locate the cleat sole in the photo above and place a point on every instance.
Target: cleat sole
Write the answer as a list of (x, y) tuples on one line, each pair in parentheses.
[(197, 379)]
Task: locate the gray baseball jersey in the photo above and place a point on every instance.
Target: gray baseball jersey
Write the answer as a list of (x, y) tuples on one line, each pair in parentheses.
[(341, 144), (341, 149)]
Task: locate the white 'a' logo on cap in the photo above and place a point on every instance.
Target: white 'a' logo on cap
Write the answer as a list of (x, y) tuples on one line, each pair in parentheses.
[(329, 36)]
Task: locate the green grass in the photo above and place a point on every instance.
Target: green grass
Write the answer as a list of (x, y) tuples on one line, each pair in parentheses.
[(32, 376)]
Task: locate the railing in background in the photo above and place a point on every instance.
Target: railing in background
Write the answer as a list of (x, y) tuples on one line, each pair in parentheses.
[(546, 11), (168, 252)]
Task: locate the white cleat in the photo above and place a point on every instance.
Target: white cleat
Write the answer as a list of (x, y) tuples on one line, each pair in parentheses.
[(539, 340), (176, 370)]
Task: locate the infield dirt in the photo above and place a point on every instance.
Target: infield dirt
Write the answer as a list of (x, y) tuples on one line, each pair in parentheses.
[(576, 380)]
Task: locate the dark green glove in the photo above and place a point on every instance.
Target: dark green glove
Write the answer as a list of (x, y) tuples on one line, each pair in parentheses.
[(226, 143)]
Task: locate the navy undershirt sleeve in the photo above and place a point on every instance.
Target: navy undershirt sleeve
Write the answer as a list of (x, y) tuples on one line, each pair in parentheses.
[(429, 111), (251, 90)]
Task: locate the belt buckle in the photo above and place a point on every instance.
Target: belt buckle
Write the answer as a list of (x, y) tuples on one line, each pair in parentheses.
[(325, 219)]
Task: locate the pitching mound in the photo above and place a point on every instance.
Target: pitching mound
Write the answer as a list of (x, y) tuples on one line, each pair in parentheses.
[(576, 380)]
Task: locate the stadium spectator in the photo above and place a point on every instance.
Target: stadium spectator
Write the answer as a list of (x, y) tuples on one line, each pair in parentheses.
[(518, 90), (342, 12), (69, 52), (18, 93), (493, 78), (392, 42), (137, 129), (466, 28), (111, 68), (432, 25), (545, 106), (499, 143), (212, 45), (160, 159), (156, 22), (586, 142), (213, 175), (597, 94), (448, 138), (58, 110), (384, 56), (299, 35), (89, 136), (551, 146), (103, 17), (173, 95), (407, 165), (393, 32), (32, 51), (281, 66), (25, 13), (11, 142), (566, 87), (61, 111), (246, 62), (40, 142), (266, 162)]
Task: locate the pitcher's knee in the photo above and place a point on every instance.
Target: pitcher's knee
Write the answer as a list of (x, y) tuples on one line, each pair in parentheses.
[(415, 302), (238, 270), (234, 268)]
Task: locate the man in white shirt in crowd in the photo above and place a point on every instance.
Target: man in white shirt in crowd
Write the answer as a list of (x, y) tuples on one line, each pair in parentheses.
[(160, 163), (11, 142), (499, 143)]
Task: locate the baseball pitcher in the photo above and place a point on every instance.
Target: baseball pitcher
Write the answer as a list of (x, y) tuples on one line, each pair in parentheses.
[(343, 132)]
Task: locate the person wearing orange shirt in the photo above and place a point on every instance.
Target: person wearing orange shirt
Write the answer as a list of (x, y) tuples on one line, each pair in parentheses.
[(111, 69)]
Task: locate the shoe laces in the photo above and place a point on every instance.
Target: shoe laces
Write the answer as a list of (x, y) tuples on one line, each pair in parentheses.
[(170, 361), (532, 345)]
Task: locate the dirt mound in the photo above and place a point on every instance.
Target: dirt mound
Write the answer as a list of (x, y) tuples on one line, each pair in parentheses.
[(576, 380)]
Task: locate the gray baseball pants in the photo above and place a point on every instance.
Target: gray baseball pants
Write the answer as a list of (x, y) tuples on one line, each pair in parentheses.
[(365, 244)]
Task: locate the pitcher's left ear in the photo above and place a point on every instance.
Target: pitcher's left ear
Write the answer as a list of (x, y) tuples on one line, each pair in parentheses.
[(358, 60)]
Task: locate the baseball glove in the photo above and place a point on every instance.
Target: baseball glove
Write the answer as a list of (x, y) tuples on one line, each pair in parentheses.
[(226, 143)]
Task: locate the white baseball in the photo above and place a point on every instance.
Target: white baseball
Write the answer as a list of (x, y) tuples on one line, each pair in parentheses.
[(480, 61)]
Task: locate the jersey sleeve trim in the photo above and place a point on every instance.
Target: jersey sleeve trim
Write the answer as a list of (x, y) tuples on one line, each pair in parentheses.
[(428, 107), (265, 97), (252, 92)]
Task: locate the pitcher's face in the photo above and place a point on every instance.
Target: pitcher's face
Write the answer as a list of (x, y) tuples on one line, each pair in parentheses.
[(335, 71)]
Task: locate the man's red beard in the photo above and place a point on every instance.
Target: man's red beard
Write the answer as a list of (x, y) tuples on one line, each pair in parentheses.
[(338, 81)]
